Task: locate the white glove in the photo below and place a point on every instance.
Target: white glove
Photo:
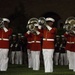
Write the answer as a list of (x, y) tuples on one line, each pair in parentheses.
[(39, 27), (28, 32), (11, 45), (37, 32), (5, 29), (49, 28), (67, 32), (74, 32), (16, 45)]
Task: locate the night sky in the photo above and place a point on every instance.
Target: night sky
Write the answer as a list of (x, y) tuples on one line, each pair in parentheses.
[(38, 7), (19, 11)]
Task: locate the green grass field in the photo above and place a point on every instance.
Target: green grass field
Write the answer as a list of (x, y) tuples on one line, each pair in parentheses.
[(23, 70)]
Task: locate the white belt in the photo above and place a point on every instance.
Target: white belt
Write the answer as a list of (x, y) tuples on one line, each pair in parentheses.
[(29, 42), (35, 41), (4, 39), (70, 42), (48, 39)]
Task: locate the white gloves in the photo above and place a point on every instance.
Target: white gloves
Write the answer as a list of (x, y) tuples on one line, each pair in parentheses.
[(39, 27), (28, 32), (5, 29), (49, 28)]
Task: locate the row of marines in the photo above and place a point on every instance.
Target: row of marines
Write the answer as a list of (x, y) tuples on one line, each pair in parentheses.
[(42, 40)]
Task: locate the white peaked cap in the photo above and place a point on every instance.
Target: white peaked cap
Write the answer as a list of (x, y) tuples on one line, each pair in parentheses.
[(13, 35), (50, 19), (7, 20), (62, 35), (19, 34), (22, 36), (57, 36)]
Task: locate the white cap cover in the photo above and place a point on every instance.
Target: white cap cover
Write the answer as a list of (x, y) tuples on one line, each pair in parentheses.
[(7, 20), (62, 35), (57, 36), (19, 34), (13, 35), (50, 19)]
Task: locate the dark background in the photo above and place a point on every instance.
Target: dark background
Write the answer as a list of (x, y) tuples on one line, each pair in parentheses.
[(20, 11)]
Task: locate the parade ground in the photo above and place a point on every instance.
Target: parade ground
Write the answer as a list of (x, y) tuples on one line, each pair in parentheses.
[(23, 70)]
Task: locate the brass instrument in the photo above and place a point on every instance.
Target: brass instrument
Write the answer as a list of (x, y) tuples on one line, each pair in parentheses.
[(31, 25), (34, 23), (1, 23), (70, 25), (67, 27), (2, 26), (42, 21)]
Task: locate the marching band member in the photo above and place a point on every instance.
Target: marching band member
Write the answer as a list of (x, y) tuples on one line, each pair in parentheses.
[(13, 48), (36, 49), (63, 54), (70, 47), (5, 33), (24, 52), (28, 37), (48, 44), (35, 37), (70, 37), (19, 49), (56, 51)]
